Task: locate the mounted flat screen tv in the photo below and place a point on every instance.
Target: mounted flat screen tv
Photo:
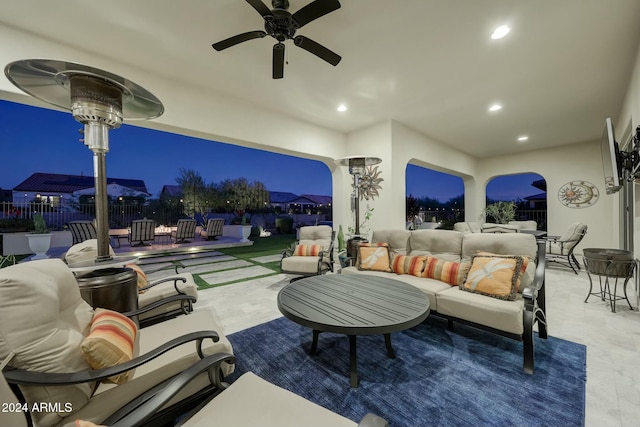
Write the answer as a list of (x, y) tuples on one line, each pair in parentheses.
[(611, 159)]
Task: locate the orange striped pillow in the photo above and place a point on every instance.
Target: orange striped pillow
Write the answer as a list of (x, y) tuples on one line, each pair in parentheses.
[(308, 250), (110, 342), (523, 269), (142, 277), (405, 264), (450, 272)]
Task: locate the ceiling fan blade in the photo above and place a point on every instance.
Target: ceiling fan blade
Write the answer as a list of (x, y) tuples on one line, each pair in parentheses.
[(278, 60), (314, 10), (317, 49), (232, 41), (260, 7)]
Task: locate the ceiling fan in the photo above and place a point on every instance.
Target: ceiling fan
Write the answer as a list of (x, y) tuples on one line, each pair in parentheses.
[(280, 24)]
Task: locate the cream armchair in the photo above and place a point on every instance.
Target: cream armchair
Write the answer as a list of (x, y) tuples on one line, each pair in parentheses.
[(44, 324), (312, 255)]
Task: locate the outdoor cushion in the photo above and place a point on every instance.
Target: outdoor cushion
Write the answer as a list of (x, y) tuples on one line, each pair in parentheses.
[(110, 342), (47, 339), (444, 244), (396, 239), (301, 264), (406, 264), (84, 252), (165, 290), (450, 272), (142, 277), (307, 250), (494, 276), (492, 312), (252, 401), (375, 258), (503, 244)]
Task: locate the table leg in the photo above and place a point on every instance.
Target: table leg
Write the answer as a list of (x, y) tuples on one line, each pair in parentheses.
[(387, 342), (353, 361), (314, 343)]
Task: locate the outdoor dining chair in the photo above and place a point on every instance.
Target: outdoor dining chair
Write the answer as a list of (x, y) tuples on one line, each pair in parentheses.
[(186, 230), (82, 230), (142, 232)]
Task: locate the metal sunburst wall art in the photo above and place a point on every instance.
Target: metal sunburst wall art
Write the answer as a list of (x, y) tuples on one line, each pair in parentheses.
[(369, 183)]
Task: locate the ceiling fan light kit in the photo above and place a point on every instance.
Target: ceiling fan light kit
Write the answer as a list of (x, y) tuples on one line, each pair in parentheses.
[(280, 24)]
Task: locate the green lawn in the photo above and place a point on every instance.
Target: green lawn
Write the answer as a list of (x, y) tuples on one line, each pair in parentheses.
[(262, 246)]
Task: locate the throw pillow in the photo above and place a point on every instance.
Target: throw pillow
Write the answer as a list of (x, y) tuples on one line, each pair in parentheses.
[(82, 423), (494, 276), (110, 342), (406, 264), (450, 272), (525, 264), (374, 258), (307, 250), (142, 277)]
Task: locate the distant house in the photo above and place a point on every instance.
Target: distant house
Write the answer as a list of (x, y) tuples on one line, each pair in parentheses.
[(537, 201), (53, 189), (281, 199), (170, 192), (290, 202), (6, 195)]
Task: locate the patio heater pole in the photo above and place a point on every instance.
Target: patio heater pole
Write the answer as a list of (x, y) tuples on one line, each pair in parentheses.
[(98, 99), (356, 166)]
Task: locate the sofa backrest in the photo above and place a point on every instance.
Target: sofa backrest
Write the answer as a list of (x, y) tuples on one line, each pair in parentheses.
[(444, 244), (43, 320), (398, 240), (503, 244), (467, 227)]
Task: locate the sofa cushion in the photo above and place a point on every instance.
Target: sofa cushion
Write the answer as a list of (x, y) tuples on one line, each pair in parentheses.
[(307, 250), (398, 240), (47, 339), (492, 312), (429, 286), (84, 252), (450, 272), (494, 276), (110, 342), (406, 264), (375, 258), (444, 244), (252, 401), (503, 244)]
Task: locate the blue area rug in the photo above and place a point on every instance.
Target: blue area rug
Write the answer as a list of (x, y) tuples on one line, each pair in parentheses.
[(439, 378)]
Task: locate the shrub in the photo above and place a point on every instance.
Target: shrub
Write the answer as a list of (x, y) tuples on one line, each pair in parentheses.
[(284, 224)]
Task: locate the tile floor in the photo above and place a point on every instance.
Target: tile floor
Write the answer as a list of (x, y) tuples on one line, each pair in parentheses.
[(612, 339)]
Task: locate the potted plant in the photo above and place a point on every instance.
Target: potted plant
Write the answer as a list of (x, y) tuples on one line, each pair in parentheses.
[(501, 212), (242, 220), (40, 238)]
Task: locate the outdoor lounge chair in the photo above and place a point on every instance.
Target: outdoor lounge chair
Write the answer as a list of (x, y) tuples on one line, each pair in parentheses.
[(158, 300), (560, 249), (312, 254), (44, 324), (82, 230), (186, 230), (213, 229), (142, 232)]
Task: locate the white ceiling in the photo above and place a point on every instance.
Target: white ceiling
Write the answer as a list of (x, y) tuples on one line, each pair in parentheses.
[(429, 64)]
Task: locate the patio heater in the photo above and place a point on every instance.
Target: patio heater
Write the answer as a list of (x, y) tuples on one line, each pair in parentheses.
[(100, 101), (357, 165)]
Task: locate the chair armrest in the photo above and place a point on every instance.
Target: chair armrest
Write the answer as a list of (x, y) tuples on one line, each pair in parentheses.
[(165, 280), (24, 377), (182, 297), (139, 410), (370, 420), (533, 292)]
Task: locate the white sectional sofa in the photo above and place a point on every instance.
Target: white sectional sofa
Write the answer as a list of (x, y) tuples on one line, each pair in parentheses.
[(512, 318)]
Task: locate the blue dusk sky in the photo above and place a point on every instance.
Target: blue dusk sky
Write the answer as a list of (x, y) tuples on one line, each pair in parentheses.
[(423, 182), (34, 139)]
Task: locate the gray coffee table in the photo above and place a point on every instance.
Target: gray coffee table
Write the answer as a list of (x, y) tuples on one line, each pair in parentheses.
[(353, 304)]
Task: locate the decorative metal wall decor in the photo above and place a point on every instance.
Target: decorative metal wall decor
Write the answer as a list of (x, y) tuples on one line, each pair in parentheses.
[(578, 194), (370, 183)]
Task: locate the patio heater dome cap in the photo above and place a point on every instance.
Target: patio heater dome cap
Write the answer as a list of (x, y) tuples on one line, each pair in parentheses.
[(356, 164), (51, 81)]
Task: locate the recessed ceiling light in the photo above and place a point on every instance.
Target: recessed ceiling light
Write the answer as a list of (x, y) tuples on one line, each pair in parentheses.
[(342, 108), (523, 138), (500, 32), (495, 107)]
